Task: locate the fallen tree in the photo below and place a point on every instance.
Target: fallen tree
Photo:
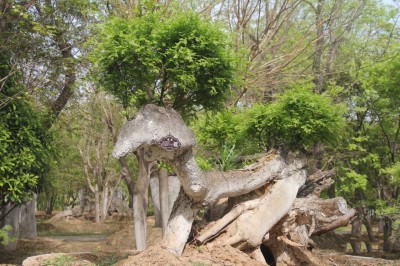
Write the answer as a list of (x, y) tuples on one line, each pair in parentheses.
[(270, 215)]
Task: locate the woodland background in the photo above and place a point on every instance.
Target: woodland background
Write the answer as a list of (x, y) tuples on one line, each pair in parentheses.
[(320, 76)]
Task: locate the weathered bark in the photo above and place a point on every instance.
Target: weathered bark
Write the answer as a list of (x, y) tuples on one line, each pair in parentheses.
[(50, 201), (28, 219), (104, 201), (387, 233), (213, 186), (396, 240), (276, 214), (180, 224), (356, 236), (164, 200), (127, 177), (140, 201), (82, 198), (13, 218), (289, 240), (245, 231), (155, 196), (96, 204), (173, 192), (316, 183)]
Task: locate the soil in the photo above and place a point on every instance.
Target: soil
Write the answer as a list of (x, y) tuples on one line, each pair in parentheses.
[(112, 243)]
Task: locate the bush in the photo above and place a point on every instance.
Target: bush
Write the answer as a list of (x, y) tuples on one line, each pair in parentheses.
[(297, 120)]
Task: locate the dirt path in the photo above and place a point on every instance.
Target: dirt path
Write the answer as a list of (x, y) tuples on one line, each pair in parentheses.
[(113, 242)]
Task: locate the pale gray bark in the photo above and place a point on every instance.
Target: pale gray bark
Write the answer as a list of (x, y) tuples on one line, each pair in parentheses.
[(173, 192), (140, 200), (28, 219), (245, 230), (213, 186), (13, 219), (164, 199), (104, 201), (96, 204), (179, 224), (278, 174), (81, 198), (155, 196)]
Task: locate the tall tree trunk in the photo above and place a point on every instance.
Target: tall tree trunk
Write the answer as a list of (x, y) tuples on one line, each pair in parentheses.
[(140, 201), (50, 201), (28, 219), (13, 218), (387, 233), (368, 226), (104, 201), (180, 224), (96, 204), (81, 198), (155, 196), (164, 199), (356, 236), (128, 177)]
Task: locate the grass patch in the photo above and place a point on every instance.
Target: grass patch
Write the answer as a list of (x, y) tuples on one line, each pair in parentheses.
[(109, 260), (60, 261)]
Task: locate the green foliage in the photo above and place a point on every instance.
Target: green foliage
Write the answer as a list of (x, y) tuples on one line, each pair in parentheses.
[(222, 137), (4, 236), (394, 173), (204, 164), (183, 62), (25, 151), (298, 119), (61, 261), (352, 180), (214, 131)]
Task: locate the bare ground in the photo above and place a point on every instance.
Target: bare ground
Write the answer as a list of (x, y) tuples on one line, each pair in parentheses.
[(117, 248)]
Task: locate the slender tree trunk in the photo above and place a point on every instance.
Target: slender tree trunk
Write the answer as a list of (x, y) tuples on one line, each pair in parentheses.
[(104, 203), (155, 196), (50, 201), (128, 178), (180, 224), (13, 219), (317, 65), (368, 226), (140, 201), (81, 198), (28, 219), (355, 241), (96, 204), (387, 233), (164, 199)]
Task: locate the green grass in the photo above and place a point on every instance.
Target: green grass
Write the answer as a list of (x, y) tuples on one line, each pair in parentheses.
[(60, 261)]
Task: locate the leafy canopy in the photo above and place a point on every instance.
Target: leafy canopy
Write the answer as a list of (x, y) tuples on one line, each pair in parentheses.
[(298, 119), (182, 62), (24, 144)]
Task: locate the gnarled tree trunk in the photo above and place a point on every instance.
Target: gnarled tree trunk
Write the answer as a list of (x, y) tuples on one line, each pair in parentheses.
[(274, 218)]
